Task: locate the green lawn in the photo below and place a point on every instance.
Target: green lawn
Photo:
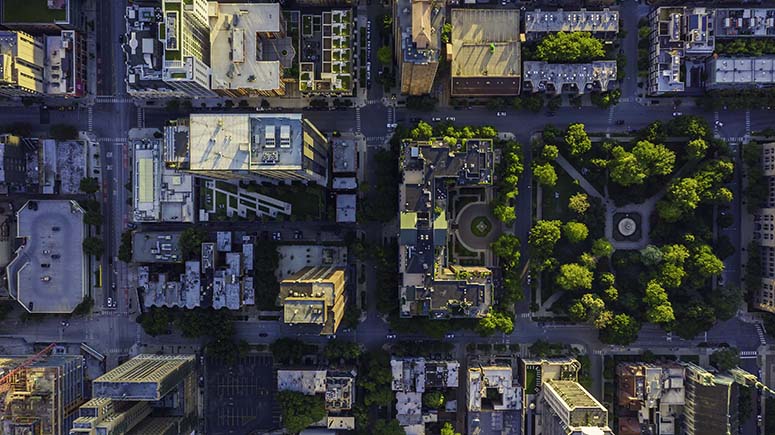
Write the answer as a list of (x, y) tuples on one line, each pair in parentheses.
[(31, 11), (531, 381), (220, 201), (307, 201), (556, 206)]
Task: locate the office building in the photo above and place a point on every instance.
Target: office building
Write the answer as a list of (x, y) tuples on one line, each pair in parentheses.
[(418, 28), (764, 234), (711, 403), (66, 58), (186, 41), (41, 398), (161, 192), (494, 400), (576, 78), (600, 24), (677, 34), (432, 285), (42, 16), (325, 61), (650, 398), (243, 145), (13, 158), (149, 394), (736, 72), (569, 409), (48, 273), (250, 49), (314, 296), (337, 388), (485, 52), (22, 60)]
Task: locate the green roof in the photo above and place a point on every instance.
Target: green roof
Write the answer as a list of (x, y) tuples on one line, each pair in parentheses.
[(440, 223), (409, 220), (32, 11)]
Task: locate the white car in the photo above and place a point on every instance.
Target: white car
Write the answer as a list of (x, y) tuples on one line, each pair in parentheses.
[(436, 119), (677, 113), (390, 126), (451, 118), (501, 114)]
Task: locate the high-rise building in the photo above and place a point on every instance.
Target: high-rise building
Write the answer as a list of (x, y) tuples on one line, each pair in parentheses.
[(66, 58), (711, 403), (22, 59), (418, 29), (43, 397), (242, 145), (569, 409), (250, 49), (314, 296), (186, 39), (764, 233), (149, 394)]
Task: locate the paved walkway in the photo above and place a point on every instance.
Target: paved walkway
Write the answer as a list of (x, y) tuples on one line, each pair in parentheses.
[(466, 216), (586, 185)]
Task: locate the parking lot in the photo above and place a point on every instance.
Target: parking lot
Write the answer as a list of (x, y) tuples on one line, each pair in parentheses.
[(240, 396)]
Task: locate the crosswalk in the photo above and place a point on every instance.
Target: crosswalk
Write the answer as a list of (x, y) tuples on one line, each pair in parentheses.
[(611, 115), (368, 102), (112, 139), (357, 119), (748, 354), (141, 117), (715, 123), (112, 99), (90, 117), (391, 115), (372, 139), (525, 315), (760, 333), (747, 122)]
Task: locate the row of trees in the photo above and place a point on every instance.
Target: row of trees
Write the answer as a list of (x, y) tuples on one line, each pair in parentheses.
[(509, 170)]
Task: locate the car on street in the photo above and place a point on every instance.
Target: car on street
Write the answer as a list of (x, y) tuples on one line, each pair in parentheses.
[(277, 235), (391, 336), (677, 113), (110, 302), (451, 118), (435, 119), (390, 126), (297, 235), (450, 336), (500, 114)]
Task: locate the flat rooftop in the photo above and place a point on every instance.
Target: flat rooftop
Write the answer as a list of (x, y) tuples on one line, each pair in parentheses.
[(143, 52), (156, 247), (485, 51), (36, 11), (48, 275), (741, 71), (572, 21), (240, 57), (245, 142), (581, 77)]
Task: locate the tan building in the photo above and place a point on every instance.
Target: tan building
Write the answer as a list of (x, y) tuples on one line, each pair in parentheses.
[(418, 28), (764, 232), (22, 60), (485, 52), (247, 41), (314, 296), (149, 394), (569, 409)]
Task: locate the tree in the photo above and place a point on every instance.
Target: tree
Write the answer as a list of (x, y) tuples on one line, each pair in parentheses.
[(125, 249), (574, 276), (93, 246), (341, 349), (549, 153), (89, 185), (288, 350), (624, 168), (545, 174), (385, 55), (504, 213), (494, 319), (569, 47), (447, 429), (671, 271), (575, 232), (706, 262), (376, 378), (602, 248), (191, 242), (725, 359), (433, 399), (388, 427), (507, 249), (299, 410), (696, 148), (654, 159), (543, 236), (155, 321), (577, 139), (684, 192), (659, 308), (446, 33), (651, 255), (622, 330), (590, 308), (579, 203), (423, 131), (84, 307), (726, 301)]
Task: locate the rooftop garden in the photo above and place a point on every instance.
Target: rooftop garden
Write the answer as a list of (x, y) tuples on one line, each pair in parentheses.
[(31, 11)]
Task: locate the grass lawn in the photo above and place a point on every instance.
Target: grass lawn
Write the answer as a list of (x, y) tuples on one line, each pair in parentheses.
[(205, 198), (220, 201), (554, 201), (31, 11), (226, 187), (531, 381), (481, 226), (307, 201)]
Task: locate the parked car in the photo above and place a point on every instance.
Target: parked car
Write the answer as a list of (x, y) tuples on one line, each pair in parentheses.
[(451, 118), (435, 119), (501, 114)]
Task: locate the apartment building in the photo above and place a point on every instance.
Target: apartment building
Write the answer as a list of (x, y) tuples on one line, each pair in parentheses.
[(569, 409), (574, 78), (418, 28), (432, 284), (186, 40), (314, 296), (413, 377), (42, 398), (66, 58), (485, 52), (249, 49), (650, 398), (764, 233), (149, 394), (22, 60), (494, 400), (326, 60), (735, 72), (711, 403), (600, 24), (251, 146)]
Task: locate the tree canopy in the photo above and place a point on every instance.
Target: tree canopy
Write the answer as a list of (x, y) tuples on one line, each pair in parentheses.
[(575, 232), (577, 139), (574, 276), (93, 246), (191, 241), (543, 236), (545, 174), (433, 399), (495, 319), (579, 203), (569, 47), (385, 55), (725, 359), (299, 410), (89, 185), (622, 330)]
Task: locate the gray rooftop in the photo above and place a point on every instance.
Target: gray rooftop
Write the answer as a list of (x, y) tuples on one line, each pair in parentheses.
[(539, 21), (48, 273), (741, 71), (580, 77), (156, 247)]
